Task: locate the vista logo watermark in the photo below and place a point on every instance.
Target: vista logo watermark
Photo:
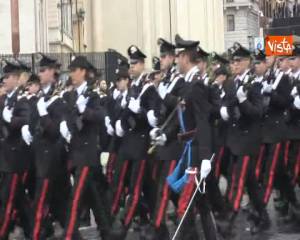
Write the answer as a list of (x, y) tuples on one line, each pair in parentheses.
[(279, 45)]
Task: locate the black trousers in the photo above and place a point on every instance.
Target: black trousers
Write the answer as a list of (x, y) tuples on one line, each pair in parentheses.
[(265, 170), (40, 220), (242, 175), (285, 171), (86, 184), (134, 171), (13, 204), (188, 230), (161, 170)]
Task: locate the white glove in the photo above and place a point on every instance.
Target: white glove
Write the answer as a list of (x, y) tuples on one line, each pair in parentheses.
[(104, 157), (134, 105), (119, 130), (154, 133), (224, 113), (241, 95), (152, 120), (294, 92), (81, 103), (26, 135), (267, 88), (7, 114), (64, 131), (205, 168), (42, 107), (109, 129), (161, 140), (162, 90), (116, 93), (297, 102)]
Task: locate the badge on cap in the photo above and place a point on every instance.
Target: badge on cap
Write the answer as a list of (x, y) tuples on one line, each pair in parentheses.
[(133, 49)]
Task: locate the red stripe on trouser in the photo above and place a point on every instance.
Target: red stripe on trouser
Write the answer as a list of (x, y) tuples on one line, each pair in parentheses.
[(272, 173), (165, 197), (218, 162), (286, 152), (9, 205), (232, 185), (40, 209), (24, 177), (186, 195), (110, 166), (136, 195), (296, 168), (241, 184), (119, 188), (154, 171), (259, 161), (75, 201)]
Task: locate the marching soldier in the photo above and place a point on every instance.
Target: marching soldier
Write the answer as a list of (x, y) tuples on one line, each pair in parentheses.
[(47, 147), (79, 129), (168, 148), (244, 112), (115, 106), (276, 94), (292, 160), (14, 115), (195, 125), (134, 126)]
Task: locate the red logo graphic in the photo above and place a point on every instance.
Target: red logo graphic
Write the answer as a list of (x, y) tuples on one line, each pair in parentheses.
[(279, 45)]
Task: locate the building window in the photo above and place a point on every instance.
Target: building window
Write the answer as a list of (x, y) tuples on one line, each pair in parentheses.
[(229, 1), (230, 23), (66, 18)]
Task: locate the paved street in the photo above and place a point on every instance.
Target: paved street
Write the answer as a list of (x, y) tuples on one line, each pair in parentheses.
[(278, 231)]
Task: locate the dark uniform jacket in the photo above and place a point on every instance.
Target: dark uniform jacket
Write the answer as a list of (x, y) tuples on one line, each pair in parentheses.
[(136, 140), (47, 141), (274, 120), (84, 128), (198, 109), (12, 145), (293, 123), (244, 127), (172, 149)]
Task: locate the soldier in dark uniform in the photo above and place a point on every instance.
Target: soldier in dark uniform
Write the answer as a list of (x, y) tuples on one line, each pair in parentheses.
[(244, 110), (47, 147), (33, 87), (80, 130), (168, 148), (116, 103), (194, 118), (291, 162), (276, 94), (14, 115), (134, 126)]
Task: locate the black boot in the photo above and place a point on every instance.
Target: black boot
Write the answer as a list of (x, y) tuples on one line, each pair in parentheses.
[(260, 222), (225, 225), (118, 231)]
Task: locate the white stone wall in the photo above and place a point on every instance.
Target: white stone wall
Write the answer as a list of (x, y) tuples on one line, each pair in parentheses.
[(118, 24)]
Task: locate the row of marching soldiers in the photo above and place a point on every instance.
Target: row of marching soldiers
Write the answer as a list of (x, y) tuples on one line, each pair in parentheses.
[(170, 135)]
